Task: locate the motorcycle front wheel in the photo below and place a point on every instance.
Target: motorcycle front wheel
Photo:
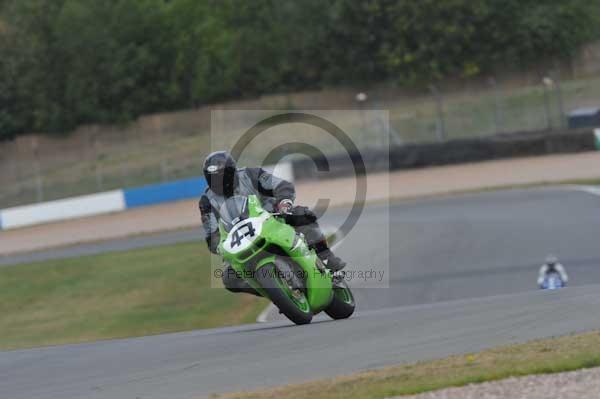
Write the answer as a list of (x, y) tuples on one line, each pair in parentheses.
[(291, 301)]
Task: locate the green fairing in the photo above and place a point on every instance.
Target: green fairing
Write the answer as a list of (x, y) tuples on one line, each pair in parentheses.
[(319, 292)]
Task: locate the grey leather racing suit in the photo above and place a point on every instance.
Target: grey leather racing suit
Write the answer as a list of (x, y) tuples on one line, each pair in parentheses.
[(545, 269), (270, 190)]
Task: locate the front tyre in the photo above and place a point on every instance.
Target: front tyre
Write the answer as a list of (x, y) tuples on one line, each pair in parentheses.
[(291, 302), (342, 305)]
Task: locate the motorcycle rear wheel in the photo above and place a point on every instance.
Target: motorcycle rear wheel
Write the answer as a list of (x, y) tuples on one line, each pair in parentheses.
[(342, 305)]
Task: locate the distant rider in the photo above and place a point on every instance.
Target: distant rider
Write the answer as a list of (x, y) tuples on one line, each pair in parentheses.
[(552, 266), (277, 195)]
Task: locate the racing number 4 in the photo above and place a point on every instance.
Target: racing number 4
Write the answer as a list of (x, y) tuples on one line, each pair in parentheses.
[(237, 235)]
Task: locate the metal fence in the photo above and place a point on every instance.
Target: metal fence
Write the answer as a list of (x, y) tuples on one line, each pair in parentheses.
[(170, 146)]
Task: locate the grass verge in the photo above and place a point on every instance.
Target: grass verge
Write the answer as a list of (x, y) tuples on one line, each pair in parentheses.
[(538, 357), (116, 295)]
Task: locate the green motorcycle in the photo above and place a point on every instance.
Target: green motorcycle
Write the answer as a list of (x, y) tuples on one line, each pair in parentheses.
[(276, 261)]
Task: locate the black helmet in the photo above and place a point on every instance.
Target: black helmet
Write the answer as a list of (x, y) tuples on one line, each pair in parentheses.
[(219, 170), (551, 261)]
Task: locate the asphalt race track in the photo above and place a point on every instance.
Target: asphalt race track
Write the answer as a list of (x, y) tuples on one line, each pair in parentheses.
[(461, 273)]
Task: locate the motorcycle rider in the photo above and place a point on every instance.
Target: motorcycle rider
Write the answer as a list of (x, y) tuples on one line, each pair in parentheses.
[(552, 266), (277, 195)]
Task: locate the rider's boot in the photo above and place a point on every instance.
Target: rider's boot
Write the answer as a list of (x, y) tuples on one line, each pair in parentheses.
[(234, 283), (246, 288), (331, 261)]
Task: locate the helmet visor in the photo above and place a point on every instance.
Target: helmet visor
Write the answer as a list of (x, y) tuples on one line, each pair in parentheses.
[(221, 181)]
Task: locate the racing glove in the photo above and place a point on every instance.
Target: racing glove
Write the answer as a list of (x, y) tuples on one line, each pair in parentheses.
[(300, 216), (285, 206)]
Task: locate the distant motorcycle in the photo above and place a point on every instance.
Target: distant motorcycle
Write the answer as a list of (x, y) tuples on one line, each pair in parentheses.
[(552, 282)]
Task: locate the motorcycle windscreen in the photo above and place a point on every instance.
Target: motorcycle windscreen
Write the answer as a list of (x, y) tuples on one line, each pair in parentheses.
[(234, 210)]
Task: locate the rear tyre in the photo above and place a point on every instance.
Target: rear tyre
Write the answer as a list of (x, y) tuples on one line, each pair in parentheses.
[(291, 302), (342, 305)]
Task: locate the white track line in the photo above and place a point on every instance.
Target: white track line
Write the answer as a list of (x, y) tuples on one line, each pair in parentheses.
[(594, 190), (263, 317)]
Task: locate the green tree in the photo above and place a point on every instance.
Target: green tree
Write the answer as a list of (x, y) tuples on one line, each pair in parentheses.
[(68, 62)]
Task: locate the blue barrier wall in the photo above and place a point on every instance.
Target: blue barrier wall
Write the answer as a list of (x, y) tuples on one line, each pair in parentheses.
[(165, 192), (111, 201)]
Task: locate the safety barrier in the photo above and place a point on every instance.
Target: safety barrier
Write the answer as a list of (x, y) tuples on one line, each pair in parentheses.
[(165, 192), (113, 201), (100, 203), (87, 205), (411, 156)]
